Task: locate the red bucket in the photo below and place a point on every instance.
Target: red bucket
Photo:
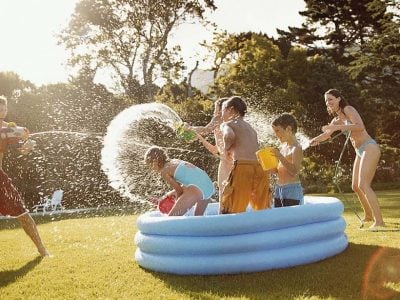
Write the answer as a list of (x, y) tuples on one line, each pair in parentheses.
[(166, 204)]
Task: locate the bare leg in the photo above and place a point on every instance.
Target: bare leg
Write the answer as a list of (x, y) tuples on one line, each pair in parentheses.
[(361, 196), (191, 195), (201, 207), (29, 226), (369, 162)]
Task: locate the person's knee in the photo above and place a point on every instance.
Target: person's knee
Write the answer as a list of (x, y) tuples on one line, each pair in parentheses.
[(364, 187), (355, 187)]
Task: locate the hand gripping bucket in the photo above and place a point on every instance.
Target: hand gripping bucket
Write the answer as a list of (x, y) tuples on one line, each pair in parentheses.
[(166, 204), (267, 158)]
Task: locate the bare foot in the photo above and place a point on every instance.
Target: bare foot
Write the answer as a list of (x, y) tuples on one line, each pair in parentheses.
[(367, 219), (43, 253), (376, 227)]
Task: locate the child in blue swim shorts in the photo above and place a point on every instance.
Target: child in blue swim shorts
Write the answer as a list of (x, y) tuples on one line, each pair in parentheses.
[(191, 185), (288, 190)]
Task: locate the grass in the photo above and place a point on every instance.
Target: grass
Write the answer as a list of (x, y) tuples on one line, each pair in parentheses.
[(93, 259)]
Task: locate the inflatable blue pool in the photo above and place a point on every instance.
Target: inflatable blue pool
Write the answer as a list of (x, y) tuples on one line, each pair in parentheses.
[(238, 243)]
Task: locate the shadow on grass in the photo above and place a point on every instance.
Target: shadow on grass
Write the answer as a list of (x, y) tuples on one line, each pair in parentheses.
[(360, 272), (7, 277)]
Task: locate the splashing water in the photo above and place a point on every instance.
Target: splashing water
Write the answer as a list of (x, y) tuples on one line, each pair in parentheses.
[(63, 160), (139, 127), (128, 137), (261, 122)]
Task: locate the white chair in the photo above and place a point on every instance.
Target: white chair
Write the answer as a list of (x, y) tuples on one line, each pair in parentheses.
[(50, 204)]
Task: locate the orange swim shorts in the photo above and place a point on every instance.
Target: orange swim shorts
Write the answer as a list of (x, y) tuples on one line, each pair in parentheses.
[(247, 183)]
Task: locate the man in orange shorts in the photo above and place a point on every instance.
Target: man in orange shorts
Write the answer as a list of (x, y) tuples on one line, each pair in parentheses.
[(247, 182)]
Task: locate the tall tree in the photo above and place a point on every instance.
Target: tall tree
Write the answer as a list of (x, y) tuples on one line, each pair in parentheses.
[(130, 37), (336, 26), (11, 84)]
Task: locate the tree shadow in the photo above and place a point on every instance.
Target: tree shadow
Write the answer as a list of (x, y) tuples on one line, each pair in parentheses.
[(10, 276), (360, 272)]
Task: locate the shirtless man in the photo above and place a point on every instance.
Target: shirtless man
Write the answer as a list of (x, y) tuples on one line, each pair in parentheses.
[(10, 200), (247, 182)]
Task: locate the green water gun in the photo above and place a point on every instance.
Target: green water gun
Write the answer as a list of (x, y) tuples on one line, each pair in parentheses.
[(184, 133)]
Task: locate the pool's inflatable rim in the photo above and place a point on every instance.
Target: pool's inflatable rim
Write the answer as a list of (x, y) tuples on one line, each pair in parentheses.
[(240, 243), (316, 209)]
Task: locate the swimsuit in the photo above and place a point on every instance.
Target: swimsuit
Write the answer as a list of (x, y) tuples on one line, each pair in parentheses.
[(288, 194), (188, 174), (11, 203), (361, 149), (247, 183)]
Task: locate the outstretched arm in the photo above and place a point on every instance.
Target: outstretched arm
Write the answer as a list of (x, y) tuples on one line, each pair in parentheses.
[(210, 147), (327, 132), (203, 130)]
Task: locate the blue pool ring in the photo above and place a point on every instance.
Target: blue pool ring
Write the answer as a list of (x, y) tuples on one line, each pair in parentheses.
[(246, 242)]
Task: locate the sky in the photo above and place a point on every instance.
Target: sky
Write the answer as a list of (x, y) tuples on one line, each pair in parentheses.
[(28, 45)]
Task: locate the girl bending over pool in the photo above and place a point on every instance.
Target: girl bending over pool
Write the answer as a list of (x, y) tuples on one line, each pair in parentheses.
[(191, 185)]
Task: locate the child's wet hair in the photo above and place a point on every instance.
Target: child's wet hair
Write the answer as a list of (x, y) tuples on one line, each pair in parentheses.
[(285, 120), (238, 104), (219, 102), (156, 154)]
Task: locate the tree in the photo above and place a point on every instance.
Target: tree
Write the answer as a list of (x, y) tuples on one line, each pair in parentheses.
[(250, 67), (11, 84), (376, 69), (334, 27), (130, 37)]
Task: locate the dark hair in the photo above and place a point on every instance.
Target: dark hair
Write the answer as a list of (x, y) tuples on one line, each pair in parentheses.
[(238, 104), (156, 153), (220, 101), (3, 100), (342, 103), (285, 120)]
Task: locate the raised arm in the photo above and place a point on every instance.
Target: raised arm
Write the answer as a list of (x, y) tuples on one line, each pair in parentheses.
[(210, 147), (210, 127)]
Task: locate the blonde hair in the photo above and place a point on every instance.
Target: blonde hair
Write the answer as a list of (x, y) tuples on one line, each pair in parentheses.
[(156, 154)]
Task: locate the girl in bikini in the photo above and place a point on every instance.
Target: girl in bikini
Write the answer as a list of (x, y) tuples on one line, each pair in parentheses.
[(367, 153), (191, 185)]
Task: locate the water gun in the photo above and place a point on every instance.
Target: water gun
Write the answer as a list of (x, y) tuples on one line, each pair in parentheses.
[(183, 133), (13, 135)]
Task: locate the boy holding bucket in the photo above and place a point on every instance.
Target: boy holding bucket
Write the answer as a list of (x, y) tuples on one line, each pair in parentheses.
[(288, 190)]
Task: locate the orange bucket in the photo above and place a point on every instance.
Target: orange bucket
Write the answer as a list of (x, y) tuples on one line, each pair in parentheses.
[(267, 158)]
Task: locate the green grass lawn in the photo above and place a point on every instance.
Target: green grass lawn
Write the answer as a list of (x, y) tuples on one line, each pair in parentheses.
[(93, 259)]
